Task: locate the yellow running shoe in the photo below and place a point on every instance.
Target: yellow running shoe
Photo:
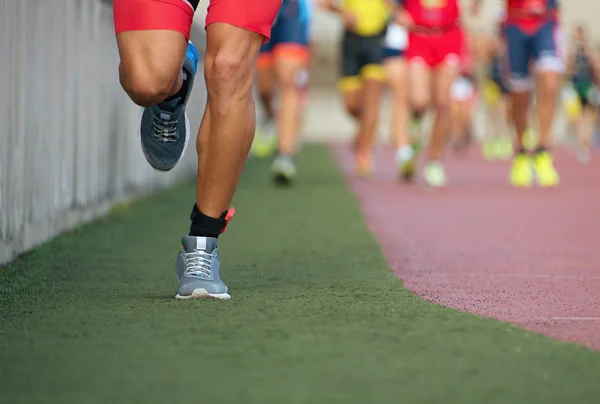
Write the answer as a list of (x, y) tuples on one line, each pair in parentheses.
[(521, 174), (545, 173), (265, 140)]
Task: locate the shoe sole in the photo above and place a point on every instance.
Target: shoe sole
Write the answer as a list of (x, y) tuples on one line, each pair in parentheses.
[(436, 186), (283, 179), (185, 145), (543, 185), (522, 185), (203, 294), (407, 171)]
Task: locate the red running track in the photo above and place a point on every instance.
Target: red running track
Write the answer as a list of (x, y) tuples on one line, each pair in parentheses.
[(530, 257)]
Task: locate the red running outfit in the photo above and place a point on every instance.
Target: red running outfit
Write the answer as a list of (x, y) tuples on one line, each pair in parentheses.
[(437, 37), (177, 15)]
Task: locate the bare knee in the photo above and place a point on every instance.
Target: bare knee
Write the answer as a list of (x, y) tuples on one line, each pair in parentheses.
[(227, 67), (151, 62), (143, 85), (419, 105), (229, 76)]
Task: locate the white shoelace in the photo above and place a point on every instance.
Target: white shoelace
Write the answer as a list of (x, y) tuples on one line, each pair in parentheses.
[(165, 130), (198, 263)]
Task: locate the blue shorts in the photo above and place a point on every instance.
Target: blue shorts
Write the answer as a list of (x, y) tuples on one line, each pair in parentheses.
[(291, 25), (496, 74), (540, 47), (392, 53)]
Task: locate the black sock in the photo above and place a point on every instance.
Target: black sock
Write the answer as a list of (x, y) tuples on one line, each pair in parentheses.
[(418, 115), (522, 151), (206, 226), (540, 149), (179, 94)]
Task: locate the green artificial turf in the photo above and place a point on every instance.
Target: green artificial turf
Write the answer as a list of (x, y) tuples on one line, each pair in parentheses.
[(316, 315)]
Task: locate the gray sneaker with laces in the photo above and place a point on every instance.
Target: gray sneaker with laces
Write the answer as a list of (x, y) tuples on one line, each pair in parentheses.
[(165, 128), (197, 269)]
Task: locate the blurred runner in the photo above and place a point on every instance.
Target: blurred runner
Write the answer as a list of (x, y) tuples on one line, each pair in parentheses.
[(497, 143), (395, 44), (363, 75), (533, 44), (435, 44), (581, 69), (283, 66)]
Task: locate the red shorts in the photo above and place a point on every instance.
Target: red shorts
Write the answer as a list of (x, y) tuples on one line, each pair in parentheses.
[(435, 48), (177, 15)]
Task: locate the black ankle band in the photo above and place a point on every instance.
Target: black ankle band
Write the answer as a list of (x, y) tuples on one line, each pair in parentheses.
[(540, 149), (418, 115), (206, 226), (179, 94)]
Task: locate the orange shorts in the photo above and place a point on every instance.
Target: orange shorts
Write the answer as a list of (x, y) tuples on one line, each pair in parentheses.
[(436, 48), (177, 15)]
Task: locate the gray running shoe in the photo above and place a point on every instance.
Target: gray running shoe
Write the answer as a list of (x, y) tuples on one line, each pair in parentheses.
[(164, 128), (284, 169), (197, 269)]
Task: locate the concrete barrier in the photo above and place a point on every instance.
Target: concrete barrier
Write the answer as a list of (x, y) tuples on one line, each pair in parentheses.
[(69, 148)]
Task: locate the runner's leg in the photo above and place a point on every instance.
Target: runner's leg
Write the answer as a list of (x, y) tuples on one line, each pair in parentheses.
[(234, 35), (228, 125), (291, 56), (350, 84), (444, 76), (397, 79), (520, 81), (397, 74), (157, 70), (549, 67), (373, 77), (265, 139), (152, 42), (266, 80)]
